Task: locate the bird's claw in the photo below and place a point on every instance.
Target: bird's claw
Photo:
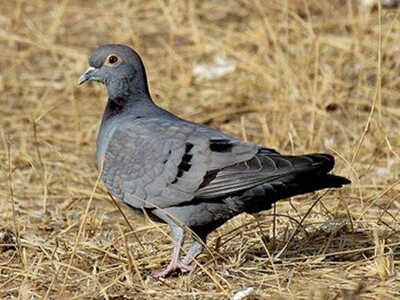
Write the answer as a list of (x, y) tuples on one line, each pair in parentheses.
[(172, 267), (185, 267)]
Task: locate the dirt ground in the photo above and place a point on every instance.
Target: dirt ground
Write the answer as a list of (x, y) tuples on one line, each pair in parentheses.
[(298, 76)]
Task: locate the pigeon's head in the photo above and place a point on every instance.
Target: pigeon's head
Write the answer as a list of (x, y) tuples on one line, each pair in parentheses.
[(119, 68)]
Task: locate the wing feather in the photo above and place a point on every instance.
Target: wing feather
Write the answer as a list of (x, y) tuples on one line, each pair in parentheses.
[(263, 168)]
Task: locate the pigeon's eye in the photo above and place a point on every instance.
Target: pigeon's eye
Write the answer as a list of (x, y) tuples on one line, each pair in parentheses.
[(112, 60)]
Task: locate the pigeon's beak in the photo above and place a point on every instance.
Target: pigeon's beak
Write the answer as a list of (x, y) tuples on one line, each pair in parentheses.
[(90, 74)]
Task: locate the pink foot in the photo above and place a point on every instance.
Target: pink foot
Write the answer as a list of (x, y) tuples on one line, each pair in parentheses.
[(185, 267), (163, 273), (173, 266)]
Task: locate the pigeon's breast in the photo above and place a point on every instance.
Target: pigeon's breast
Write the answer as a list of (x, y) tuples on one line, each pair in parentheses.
[(106, 132)]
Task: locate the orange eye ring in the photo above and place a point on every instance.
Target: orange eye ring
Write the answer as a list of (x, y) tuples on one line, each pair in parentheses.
[(112, 60)]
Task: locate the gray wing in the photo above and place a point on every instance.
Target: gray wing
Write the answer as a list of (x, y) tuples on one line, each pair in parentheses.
[(160, 163)]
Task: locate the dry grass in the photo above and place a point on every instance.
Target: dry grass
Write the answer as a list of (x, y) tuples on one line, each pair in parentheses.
[(309, 77)]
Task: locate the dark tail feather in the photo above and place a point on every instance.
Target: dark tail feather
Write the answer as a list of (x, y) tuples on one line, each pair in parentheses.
[(307, 178), (262, 197), (310, 183)]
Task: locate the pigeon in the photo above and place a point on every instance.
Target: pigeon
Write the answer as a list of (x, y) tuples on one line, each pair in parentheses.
[(190, 176)]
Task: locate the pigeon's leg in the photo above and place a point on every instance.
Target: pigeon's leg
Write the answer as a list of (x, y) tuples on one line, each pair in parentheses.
[(178, 236), (195, 249)]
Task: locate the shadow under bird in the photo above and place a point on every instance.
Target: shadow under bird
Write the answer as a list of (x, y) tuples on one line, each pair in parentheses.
[(182, 173)]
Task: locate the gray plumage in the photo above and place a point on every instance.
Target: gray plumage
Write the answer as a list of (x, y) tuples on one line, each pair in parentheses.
[(182, 173)]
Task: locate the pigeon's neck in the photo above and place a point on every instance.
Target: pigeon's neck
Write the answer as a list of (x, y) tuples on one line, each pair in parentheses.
[(132, 88), (115, 107), (128, 95), (125, 105)]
